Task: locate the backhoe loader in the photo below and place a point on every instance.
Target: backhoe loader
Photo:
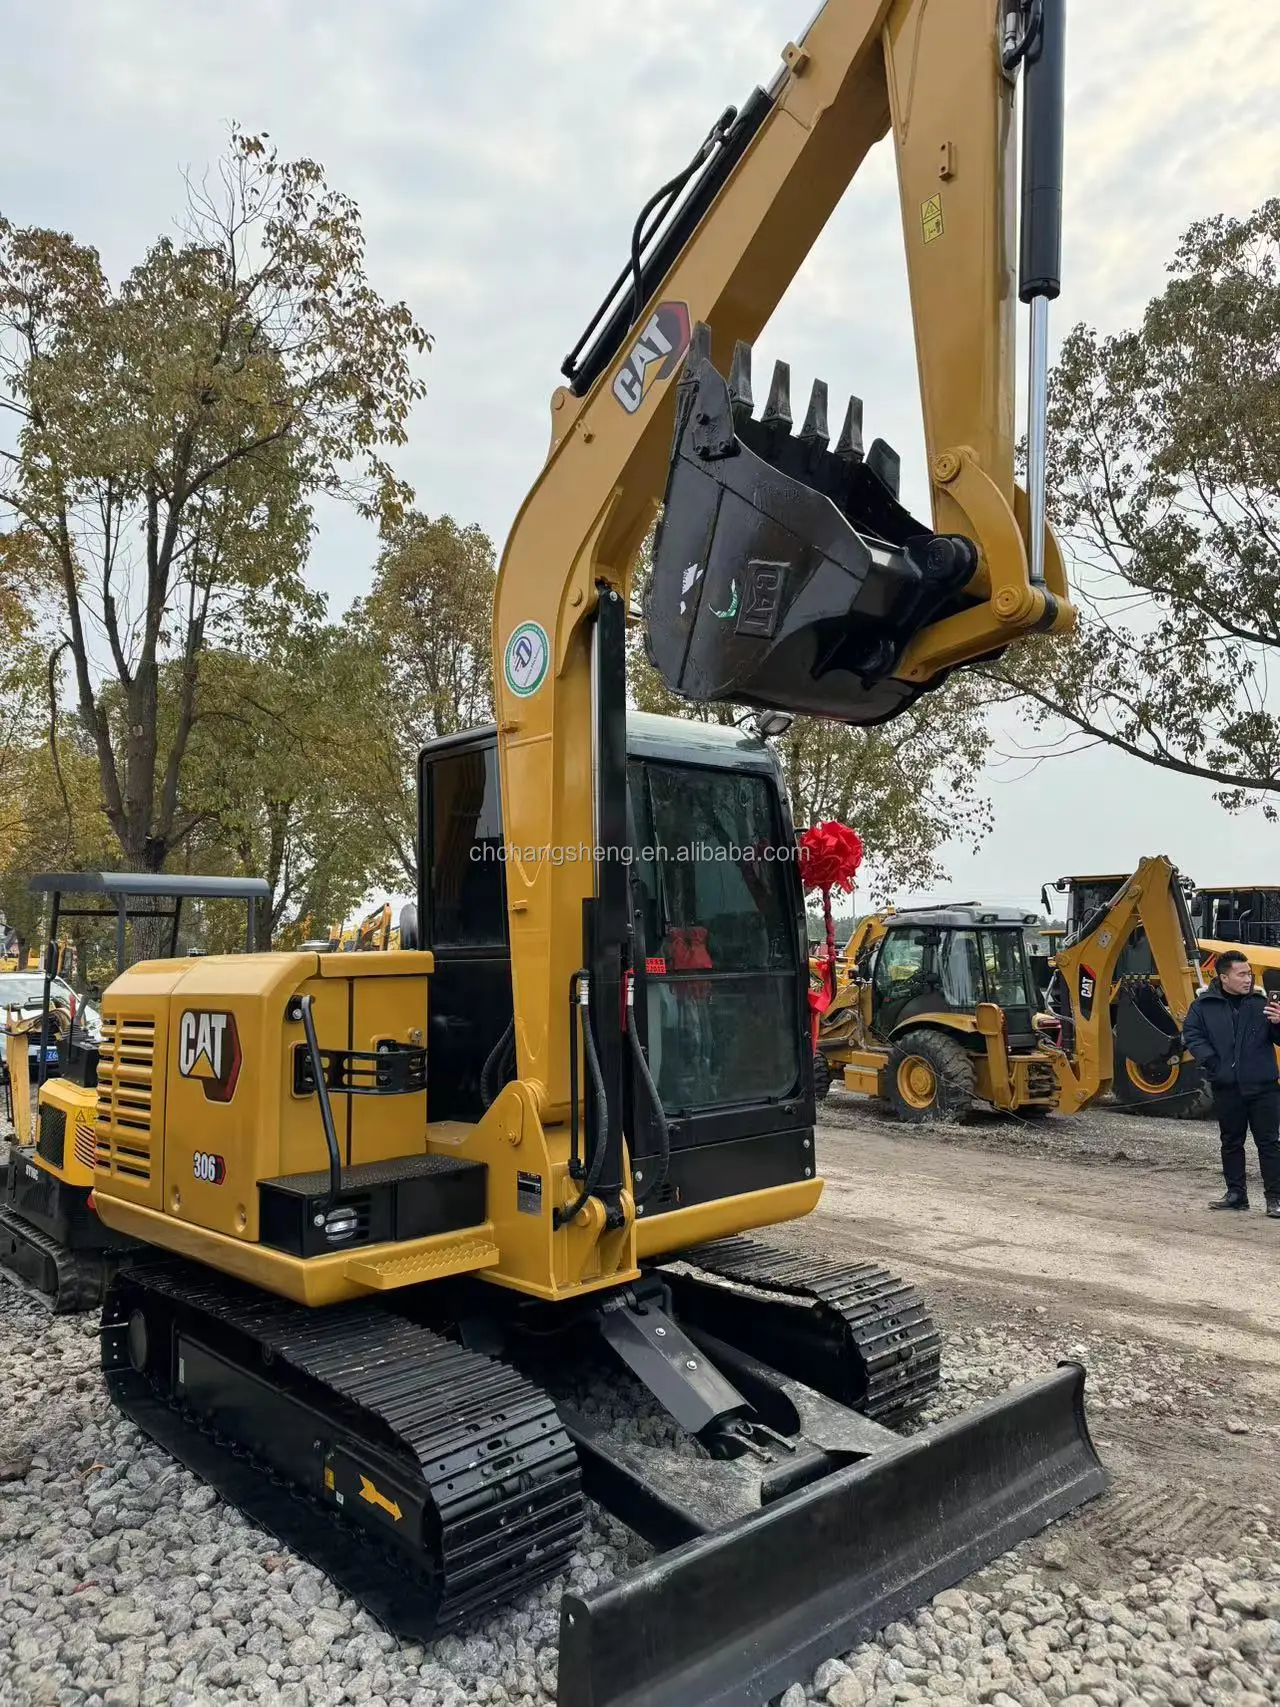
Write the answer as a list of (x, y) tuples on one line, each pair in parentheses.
[(404, 1188), (1221, 918), (49, 1234), (940, 1010)]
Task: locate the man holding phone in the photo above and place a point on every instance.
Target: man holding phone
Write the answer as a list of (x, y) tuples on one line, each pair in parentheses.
[(1232, 1030)]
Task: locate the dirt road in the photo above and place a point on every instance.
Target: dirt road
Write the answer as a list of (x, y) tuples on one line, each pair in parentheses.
[(1086, 1238), (1129, 1245)]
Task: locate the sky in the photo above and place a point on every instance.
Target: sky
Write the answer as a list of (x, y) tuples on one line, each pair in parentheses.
[(499, 152)]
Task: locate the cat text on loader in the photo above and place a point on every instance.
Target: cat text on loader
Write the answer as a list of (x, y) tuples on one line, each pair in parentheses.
[(49, 1234), (421, 1185)]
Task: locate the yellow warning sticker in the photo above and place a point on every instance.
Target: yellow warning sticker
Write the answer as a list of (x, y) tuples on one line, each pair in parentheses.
[(370, 1493), (931, 218)]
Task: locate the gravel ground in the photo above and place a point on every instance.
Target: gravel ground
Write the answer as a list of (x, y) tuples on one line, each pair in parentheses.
[(125, 1583)]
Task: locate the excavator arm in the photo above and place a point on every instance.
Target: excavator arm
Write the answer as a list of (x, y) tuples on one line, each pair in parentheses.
[(786, 574), (1085, 968)]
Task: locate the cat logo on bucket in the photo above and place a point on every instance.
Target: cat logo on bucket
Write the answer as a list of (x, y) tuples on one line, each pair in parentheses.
[(209, 1050), (655, 354)]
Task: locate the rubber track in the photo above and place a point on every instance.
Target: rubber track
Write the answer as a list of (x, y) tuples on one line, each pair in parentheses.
[(81, 1275), (886, 1325), (501, 1472)]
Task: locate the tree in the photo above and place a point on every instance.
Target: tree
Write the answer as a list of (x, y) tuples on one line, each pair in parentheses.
[(171, 435), (426, 628), (276, 784), (908, 787), (1164, 483)]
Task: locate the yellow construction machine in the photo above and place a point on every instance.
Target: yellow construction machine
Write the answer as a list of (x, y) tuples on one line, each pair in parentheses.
[(940, 1010), (391, 1195), (49, 1235), (1221, 918)]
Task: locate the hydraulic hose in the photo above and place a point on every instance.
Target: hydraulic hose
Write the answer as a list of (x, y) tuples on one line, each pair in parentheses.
[(564, 1216), (663, 200), (651, 1090), (496, 1057), (326, 1108)]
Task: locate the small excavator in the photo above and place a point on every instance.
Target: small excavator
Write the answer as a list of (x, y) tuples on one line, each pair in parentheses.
[(938, 1009), (398, 1201), (49, 1235)]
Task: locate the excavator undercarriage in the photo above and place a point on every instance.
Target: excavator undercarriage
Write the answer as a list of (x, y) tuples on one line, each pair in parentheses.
[(433, 1479)]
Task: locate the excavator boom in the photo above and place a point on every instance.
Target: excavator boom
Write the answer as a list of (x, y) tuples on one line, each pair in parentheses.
[(786, 573)]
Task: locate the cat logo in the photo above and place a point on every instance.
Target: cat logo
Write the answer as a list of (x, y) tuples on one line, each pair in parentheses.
[(209, 1050), (655, 354)]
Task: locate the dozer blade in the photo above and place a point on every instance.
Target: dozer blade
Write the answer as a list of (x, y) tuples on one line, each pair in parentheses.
[(732, 1618), (787, 575)]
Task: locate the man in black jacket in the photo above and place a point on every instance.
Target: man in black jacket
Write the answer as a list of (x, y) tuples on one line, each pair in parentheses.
[(1232, 1030)]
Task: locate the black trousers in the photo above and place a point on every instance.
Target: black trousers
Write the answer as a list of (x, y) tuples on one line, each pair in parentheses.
[(1238, 1112)]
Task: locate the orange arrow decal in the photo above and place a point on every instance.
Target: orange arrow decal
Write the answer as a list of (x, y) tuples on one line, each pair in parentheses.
[(370, 1493)]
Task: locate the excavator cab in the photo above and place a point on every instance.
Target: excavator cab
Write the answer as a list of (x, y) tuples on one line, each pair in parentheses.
[(718, 981)]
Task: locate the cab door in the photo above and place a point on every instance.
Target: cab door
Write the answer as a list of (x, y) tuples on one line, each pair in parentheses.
[(904, 980)]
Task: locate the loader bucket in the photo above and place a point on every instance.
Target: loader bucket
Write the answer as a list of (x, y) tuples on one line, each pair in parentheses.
[(786, 575), (730, 1619)]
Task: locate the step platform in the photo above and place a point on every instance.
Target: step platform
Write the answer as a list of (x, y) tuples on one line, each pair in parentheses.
[(380, 1203)]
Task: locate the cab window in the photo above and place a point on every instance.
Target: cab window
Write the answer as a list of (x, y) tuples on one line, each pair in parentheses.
[(900, 964)]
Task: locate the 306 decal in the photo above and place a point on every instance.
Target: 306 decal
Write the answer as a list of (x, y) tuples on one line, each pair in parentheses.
[(208, 1168)]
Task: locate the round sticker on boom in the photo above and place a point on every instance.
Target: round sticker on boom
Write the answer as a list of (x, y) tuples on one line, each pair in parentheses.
[(527, 655)]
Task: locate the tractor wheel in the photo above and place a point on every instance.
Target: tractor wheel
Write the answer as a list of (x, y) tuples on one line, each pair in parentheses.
[(1173, 1089), (929, 1078), (821, 1076)]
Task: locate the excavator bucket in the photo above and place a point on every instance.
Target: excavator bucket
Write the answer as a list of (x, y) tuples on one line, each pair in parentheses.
[(1147, 1034), (732, 1617), (786, 574)]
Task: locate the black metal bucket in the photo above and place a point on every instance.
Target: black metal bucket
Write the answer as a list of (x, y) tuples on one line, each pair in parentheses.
[(732, 1618), (787, 575)]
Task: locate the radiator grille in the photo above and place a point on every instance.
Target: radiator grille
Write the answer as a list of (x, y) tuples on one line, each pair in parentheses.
[(51, 1135), (126, 1067)]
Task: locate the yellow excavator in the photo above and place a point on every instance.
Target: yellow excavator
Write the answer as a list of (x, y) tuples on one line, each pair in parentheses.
[(939, 1009), (394, 1197), (49, 1235)]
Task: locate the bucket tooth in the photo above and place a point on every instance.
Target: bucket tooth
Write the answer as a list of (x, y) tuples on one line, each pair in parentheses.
[(699, 347), (815, 431), (740, 383), (885, 463), (777, 411), (849, 444)]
